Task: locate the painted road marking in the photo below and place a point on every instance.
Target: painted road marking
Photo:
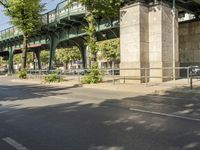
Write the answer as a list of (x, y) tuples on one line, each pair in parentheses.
[(2, 88), (165, 114), (14, 144), (167, 97)]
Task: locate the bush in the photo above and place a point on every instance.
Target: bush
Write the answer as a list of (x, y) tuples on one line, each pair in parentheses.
[(53, 77), (22, 74), (95, 75)]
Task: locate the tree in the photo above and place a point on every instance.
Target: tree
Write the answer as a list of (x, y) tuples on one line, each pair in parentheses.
[(4, 3), (17, 59), (97, 9), (44, 57), (2, 62), (110, 50), (26, 16), (67, 55)]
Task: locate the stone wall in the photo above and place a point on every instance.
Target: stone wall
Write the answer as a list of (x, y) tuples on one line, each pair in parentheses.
[(189, 43)]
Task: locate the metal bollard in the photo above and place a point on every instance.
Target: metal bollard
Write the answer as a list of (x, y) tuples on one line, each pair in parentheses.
[(113, 75), (146, 78), (79, 79), (188, 75), (191, 86)]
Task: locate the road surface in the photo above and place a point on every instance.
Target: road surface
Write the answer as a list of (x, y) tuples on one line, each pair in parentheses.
[(38, 117)]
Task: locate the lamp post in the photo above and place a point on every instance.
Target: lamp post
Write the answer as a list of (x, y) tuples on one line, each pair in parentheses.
[(174, 39)]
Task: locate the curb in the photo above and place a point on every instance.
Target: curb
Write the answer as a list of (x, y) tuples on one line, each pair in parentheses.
[(114, 89)]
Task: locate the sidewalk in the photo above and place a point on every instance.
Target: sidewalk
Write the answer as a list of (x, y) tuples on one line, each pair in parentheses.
[(176, 87)]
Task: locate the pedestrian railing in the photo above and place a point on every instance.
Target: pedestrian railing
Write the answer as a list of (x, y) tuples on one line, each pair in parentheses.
[(149, 76)]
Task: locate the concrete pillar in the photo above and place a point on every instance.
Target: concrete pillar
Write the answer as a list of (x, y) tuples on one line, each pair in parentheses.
[(161, 41), (134, 40), (146, 39)]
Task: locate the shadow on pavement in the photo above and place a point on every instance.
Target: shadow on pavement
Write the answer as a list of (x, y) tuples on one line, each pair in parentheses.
[(23, 92), (109, 125)]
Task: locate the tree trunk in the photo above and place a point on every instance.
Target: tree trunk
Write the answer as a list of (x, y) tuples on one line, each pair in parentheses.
[(108, 65), (66, 66), (113, 64), (113, 67), (91, 37), (24, 51), (37, 53)]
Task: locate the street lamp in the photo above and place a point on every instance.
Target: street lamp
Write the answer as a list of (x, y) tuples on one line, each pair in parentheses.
[(174, 39)]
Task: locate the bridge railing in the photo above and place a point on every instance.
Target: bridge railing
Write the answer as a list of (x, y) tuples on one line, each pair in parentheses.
[(50, 17)]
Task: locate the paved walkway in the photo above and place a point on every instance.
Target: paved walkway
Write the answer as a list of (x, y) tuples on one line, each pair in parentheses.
[(178, 86)]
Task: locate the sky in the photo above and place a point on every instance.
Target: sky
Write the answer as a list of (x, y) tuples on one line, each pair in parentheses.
[(4, 20)]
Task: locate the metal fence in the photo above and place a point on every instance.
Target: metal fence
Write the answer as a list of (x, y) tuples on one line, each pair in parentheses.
[(147, 76)]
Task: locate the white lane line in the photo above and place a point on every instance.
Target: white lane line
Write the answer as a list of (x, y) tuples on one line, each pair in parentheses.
[(167, 97), (165, 114), (59, 97), (2, 88), (14, 144)]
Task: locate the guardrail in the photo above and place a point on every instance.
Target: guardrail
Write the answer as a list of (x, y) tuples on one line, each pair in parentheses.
[(148, 76)]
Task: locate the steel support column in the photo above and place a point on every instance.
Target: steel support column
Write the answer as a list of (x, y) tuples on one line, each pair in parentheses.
[(53, 44), (83, 49), (37, 54), (10, 61)]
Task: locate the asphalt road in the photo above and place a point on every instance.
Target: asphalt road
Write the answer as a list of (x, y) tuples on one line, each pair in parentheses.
[(36, 117)]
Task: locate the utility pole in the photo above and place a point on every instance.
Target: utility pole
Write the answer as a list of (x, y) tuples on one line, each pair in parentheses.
[(174, 39)]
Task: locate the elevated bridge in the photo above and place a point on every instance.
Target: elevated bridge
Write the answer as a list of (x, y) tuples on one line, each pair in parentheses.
[(64, 27)]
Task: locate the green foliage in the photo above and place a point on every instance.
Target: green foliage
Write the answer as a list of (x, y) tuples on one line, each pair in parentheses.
[(44, 56), (91, 39), (95, 75), (4, 3), (2, 61), (97, 9), (110, 49), (22, 74), (17, 59), (54, 77), (66, 55), (26, 16), (101, 8), (30, 58)]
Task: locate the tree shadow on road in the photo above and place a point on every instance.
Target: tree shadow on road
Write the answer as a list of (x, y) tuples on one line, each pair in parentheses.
[(24, 92), (114, 124)]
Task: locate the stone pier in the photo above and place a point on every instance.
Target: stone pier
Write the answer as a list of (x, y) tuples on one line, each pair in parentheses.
[(189, 43), (146, 41)]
